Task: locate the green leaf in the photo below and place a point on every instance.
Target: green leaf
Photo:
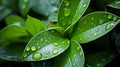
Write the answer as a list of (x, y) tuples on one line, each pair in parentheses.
[(4, 12), (117, 41), (45, 7), (99, 59), (34, 25), (94, 25), (13, 33), (3, 42), (14, 19), (45, 45), (46, 63), (12, 52), (72, 57), (24, 6), (71, 11), (115, 4), (53, 17)]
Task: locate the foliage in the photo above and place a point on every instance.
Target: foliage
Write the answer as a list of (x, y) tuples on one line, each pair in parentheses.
[(59, 33)]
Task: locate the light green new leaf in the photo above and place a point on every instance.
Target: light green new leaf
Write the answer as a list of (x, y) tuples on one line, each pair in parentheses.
[(12, 52), (115, 4), (99, 59), (45, 45), (14, 19), (71, 11), (94, 25), (24, 6), (72, 57), (13, 33), (34, 25)]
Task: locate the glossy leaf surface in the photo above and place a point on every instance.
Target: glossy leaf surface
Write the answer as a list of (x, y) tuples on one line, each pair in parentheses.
[(72, 57), (45, 45), (12, 52), (115, 4), (13, 33), (14, 19), (94, 25), (34, 25), (71, 11), (99, 59)]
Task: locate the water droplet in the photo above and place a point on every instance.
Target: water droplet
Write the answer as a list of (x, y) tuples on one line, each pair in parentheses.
[(46, 40), (55, 52), (36, 56), (78, 48), (101, 21), (95, 34), (46, 52), (92, 18), (55, 44), (33, 48), (67, 12), (109, 16), (97, 29), (109, 26), (74, 64), (74, 56), (25, 55), (114, 18), (41, 40), (27, 49), (80, 53), (99, 65), (52, 31), (67, 3), (84, 5)]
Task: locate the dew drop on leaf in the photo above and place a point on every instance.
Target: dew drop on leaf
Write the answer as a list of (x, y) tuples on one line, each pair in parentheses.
[(92, 18), (114, 18), (84, 5), (74, 64), (68, 62), (67, 12), (41, 40), (55, 44), (95, 34), (101, 21), (80, 53), (27, 49), (67, 3), (46, 52), (78, 48), (33, 48), (55, 52), (109, 26), (109, 16), (25, 55), (37, 56)]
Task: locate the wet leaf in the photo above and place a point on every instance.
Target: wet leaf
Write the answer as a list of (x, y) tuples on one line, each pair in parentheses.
[(12, 53), (94, 25), (13, 33), (34, 25), (115, 4), (45, 45), (73, 57), (14, 19), (99, 59), (71, 11)]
